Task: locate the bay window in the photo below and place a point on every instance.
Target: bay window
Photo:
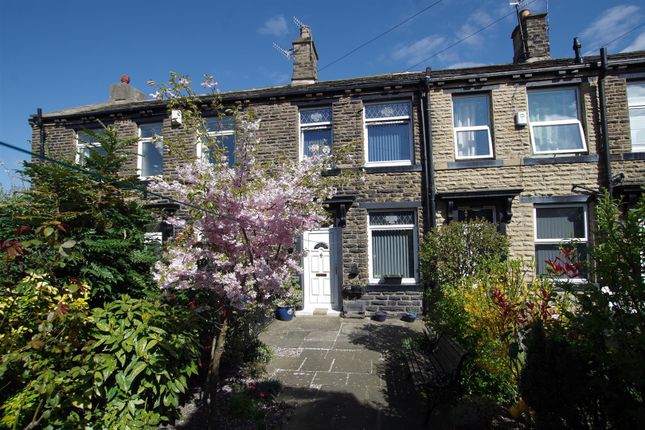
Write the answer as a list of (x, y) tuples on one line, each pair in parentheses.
[(554, 118)]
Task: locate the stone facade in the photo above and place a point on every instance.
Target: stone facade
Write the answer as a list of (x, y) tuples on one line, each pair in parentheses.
[(514, 180)]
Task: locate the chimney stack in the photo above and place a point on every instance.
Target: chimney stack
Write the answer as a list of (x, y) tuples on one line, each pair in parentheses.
[(305, 59), (123, 92), (531, 38)]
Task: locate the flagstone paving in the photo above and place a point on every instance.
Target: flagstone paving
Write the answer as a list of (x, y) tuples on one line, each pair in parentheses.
[(344, 374)]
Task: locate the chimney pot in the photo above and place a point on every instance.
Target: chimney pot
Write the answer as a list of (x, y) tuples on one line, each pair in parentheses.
[(125, 79), (524, 13)]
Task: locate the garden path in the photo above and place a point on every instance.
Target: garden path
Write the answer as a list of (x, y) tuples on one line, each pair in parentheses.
[(345, 374)]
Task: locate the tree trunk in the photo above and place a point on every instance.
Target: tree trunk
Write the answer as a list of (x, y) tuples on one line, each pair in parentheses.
[(217, 349)]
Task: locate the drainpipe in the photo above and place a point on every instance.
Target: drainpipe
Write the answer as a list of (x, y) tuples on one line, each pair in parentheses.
[(424, 161), (39, 116), (603, 118), (430, 219)]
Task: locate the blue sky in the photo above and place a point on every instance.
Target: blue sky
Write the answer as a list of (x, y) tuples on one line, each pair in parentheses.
[(65, 53)]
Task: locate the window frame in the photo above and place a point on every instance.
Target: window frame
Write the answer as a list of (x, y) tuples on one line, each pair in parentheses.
[(456, 129), (634, 148), (385, 121), (466, 208), (203, 155), (323, 125), (82, 146), (412, 227), (560, 241), (148, 140), (577, 121)]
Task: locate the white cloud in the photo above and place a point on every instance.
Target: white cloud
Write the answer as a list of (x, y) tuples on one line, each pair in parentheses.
[(465, 64), (637, 45), (275, 26), (474, 22), (418, 50), (612, 22)]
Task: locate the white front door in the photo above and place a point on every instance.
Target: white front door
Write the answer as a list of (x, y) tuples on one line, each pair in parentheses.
[(317, 270)]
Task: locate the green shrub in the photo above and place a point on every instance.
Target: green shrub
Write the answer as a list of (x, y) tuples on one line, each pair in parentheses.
[(597, 361), (43, 332), (143, 355), (126, 364), (453, 251)]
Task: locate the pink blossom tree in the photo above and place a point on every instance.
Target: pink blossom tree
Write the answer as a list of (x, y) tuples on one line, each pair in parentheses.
[(237, 242)]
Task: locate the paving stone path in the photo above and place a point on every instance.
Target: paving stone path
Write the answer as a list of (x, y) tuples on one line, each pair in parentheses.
[(344, 374)]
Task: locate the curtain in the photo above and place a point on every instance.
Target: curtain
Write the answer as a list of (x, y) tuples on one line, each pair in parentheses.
[(318, 137), (470, 111), (560, 223), (545, 252), (553, 105), (388, 142), (392, 253)]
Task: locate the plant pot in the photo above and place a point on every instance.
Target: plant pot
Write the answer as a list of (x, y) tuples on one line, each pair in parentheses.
[(285, 313), (392, 279), (379, 316), (409, 317)]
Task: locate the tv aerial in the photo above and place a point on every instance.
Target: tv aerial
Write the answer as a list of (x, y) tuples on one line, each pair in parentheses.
[(288, 53), (299, 23)]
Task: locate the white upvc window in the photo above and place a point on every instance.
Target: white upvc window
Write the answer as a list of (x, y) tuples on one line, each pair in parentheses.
[(315, 130), (554, 118), (556, 225), (87, 144), (471, 120), (392, 238), (220, 141), (150, 150), (636, 103), (388, 134)]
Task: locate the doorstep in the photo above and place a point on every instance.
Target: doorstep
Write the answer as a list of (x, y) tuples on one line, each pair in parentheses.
[(318, 312)]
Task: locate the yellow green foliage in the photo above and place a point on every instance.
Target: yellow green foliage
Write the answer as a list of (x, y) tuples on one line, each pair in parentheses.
[(27, 311)]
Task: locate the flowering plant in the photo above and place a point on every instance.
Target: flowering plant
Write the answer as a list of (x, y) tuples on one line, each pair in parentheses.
[(238, 239)]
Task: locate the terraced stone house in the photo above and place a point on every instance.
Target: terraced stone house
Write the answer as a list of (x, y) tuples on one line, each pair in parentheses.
[(526, 145)]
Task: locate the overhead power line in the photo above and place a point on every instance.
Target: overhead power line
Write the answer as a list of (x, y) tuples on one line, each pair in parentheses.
[(389, 30), (621, 36), (457, 42), (109, 180)]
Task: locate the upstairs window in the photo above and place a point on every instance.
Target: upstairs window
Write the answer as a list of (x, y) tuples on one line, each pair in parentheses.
[(556, 225), (636, 102), (471, 115), (392, 245), (150, 160), (388, 134), (221, 141), (554, 117), (315, 130), (87, 144)]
